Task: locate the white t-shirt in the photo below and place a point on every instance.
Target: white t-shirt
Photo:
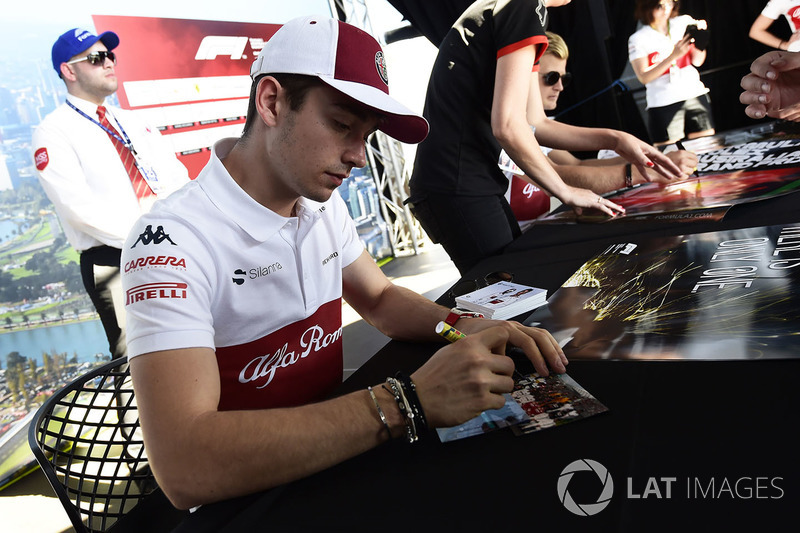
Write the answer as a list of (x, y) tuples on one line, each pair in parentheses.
[(789, 9), (211, 267), (682, 81)]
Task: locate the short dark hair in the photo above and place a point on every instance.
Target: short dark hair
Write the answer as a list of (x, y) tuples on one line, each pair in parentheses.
[(296, 87), (644, 10)]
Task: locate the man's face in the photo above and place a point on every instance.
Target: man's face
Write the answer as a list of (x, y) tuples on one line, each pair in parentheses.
[(94, 82), (550, 63), (319, 144)]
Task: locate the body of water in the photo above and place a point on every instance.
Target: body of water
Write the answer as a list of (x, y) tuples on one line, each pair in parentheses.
[(7, 228), (84, 338)]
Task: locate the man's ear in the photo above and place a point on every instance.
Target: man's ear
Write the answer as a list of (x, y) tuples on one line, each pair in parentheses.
[(268, 103), (67, 73)]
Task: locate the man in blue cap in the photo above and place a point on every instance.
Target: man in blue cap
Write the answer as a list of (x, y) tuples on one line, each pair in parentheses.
[(101, 167)]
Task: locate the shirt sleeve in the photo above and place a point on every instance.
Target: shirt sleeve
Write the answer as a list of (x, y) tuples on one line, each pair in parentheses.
[(519, 24), (352, 247), (637, 46), (774, 9), (167, 277)]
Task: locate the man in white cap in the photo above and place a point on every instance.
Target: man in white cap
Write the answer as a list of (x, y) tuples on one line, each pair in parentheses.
[(101, 167), (235, 345)]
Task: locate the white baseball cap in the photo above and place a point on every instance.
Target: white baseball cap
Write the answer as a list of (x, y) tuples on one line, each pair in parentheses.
[(348, 59)]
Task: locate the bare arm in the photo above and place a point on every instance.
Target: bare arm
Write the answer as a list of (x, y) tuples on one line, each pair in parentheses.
[(405, 315), (610, 177), (510, 127), (759, 31), (200, 455)]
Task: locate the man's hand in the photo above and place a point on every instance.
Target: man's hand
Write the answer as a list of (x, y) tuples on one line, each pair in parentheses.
[(538, 344), (465, 378), (773, 86)]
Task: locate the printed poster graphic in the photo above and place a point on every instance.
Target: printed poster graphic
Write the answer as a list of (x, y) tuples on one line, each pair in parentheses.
[(705, 197), (735, 167), (731, 295)]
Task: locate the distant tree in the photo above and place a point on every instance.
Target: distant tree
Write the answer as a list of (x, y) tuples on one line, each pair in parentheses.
[(44, 317), (27, 320)]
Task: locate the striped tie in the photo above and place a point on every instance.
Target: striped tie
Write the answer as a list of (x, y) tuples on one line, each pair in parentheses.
[(140, 186)]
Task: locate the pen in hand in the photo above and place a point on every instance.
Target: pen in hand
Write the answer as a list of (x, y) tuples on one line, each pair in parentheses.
[(452, 334)]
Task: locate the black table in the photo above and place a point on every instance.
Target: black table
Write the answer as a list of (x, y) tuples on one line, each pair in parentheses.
[(721, 431)]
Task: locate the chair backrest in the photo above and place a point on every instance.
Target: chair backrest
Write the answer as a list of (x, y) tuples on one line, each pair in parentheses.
[(87, 439)]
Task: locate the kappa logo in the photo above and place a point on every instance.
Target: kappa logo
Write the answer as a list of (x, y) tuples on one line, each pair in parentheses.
[(157, 237), (41, 159)]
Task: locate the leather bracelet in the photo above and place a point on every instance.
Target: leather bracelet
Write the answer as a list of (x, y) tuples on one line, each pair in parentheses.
[(628, 175), (413, 400)]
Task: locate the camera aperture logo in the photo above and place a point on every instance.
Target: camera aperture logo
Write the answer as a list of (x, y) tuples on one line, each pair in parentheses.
[(585, 509)]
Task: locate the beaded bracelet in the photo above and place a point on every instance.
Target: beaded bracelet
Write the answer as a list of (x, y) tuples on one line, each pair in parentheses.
[(411, 392), (380, 412), (405, 408)]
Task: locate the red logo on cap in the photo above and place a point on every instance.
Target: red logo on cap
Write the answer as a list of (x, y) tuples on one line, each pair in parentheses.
[(41, 158), (380, 64)]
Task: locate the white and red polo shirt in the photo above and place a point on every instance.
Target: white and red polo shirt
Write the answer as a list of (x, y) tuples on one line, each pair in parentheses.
[(211, 267)]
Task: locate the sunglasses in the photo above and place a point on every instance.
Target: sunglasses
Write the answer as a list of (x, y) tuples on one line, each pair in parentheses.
[(96, 58), (551, 78), (468, 285)]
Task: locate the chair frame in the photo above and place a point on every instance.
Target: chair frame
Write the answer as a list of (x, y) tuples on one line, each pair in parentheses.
[(86, 438)]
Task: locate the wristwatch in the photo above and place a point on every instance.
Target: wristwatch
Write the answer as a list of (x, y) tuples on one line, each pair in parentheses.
[(456, 313)]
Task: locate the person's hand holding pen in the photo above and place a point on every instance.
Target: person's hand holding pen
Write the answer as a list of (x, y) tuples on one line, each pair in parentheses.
[(537, 344), (465, 378)]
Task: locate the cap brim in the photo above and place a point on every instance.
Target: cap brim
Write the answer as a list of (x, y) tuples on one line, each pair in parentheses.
[(399, 122)]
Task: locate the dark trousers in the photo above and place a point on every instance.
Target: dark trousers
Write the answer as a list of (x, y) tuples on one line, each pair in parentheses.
[(469, 228), (101, 277)]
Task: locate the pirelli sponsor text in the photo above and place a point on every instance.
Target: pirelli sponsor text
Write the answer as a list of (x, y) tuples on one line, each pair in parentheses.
[(150, 291)]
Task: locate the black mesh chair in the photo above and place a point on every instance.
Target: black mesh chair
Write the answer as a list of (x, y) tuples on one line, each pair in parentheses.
[(86, 438)]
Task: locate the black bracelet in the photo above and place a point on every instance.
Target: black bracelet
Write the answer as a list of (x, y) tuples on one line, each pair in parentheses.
[(411, 393), (405, 408), (628, 175)]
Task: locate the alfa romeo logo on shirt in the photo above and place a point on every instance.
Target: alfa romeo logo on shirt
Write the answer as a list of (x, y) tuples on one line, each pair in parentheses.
[(380, 64), (585, 509)]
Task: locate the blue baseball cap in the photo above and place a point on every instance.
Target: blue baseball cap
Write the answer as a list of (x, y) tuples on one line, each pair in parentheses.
[(75, 41)]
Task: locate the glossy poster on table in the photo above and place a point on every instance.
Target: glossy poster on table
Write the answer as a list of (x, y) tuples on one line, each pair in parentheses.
[(730, 295), (705, 197)]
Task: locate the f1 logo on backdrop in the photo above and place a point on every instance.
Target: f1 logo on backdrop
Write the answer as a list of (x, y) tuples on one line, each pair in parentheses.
[(222, 45)]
